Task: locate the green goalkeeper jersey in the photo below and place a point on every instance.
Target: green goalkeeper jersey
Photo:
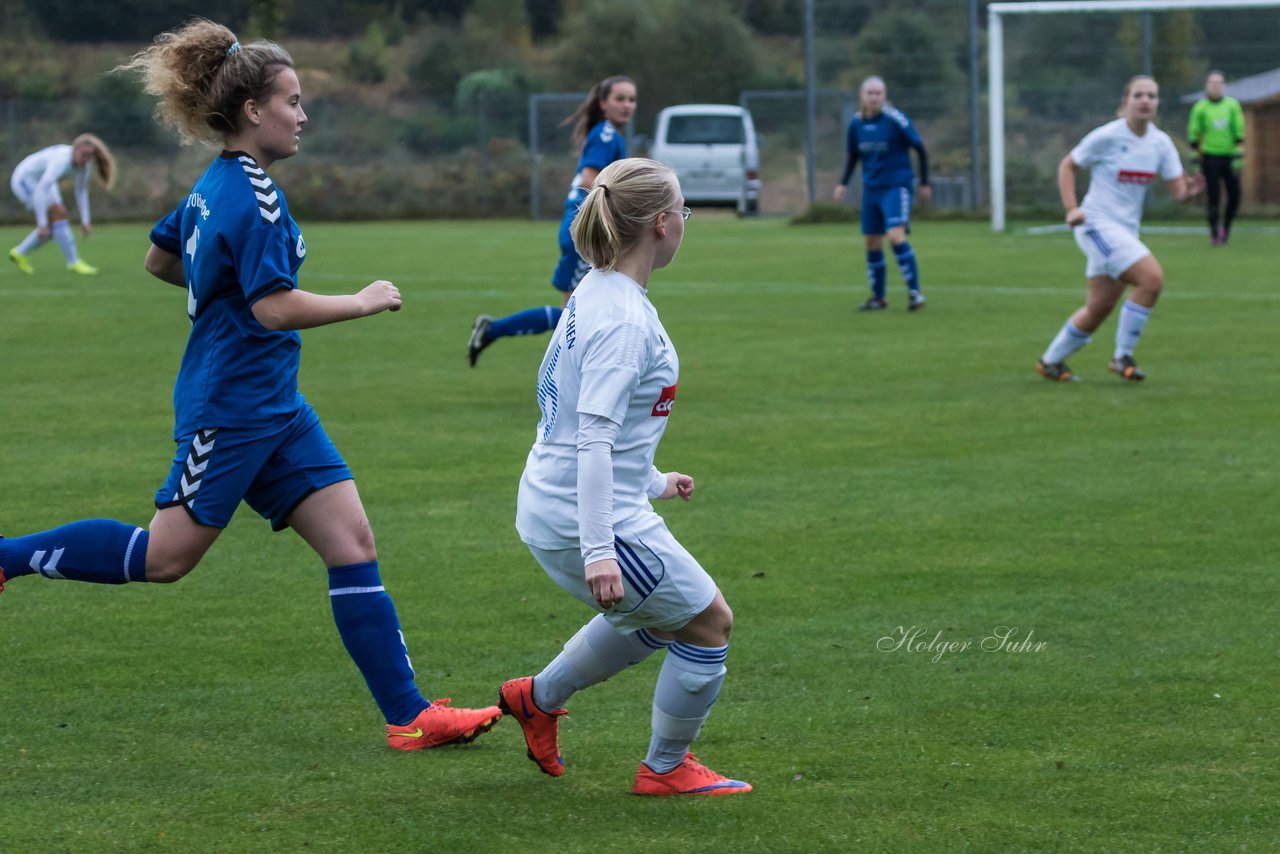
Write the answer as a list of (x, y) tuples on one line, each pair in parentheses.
[(1216, 127)]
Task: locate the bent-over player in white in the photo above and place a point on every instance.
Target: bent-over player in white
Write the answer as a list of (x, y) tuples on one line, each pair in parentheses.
[(35, 183)]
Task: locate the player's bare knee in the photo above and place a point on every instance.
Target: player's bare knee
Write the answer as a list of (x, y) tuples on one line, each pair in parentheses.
[(56, 213), (168, 570), (363, 542), (718, 621)]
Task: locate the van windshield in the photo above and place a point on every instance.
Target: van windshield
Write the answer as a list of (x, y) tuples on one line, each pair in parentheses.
[(705, 130)]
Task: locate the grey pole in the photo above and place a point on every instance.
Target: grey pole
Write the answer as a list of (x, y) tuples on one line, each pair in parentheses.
[(533, 156), (811, 100), (1146, 43), (975, 152)]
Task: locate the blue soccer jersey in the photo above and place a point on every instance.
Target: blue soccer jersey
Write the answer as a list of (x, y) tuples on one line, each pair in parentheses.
[(604, 144), (883, 145), (238, 244)]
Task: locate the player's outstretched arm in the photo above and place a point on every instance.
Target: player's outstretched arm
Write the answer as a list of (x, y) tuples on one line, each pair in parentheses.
[(297, 309)]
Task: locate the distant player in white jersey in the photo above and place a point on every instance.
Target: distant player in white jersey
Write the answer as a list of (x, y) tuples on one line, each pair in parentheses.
[(606, 389), (1124, 157), (35, 183)]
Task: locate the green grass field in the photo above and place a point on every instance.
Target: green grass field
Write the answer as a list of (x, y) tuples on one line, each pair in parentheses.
[(859, 476)]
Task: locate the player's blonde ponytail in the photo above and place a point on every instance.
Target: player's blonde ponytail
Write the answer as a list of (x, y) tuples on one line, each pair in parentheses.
[(628, 197)]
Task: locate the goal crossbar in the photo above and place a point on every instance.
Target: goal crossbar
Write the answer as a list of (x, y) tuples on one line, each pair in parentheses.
[(995, 62)]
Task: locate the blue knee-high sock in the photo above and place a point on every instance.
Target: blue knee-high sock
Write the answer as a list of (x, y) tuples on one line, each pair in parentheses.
[(100, 551), (876, 272), (531, 321), (366, 619), (907, 264)]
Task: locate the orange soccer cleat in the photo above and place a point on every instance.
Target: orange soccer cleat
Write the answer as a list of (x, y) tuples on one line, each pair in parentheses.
[(690, 777), (541, 729), (1055, 371), (440, 724), (1127, 368)]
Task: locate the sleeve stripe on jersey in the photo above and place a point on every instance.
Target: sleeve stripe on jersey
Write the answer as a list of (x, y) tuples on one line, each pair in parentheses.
[(268, 199)]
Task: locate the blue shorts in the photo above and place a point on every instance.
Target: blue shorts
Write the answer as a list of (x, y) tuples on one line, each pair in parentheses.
[(883, 209), (217, 467), (571, 268)]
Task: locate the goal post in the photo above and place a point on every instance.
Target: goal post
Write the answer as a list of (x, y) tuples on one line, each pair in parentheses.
[(995, 63)]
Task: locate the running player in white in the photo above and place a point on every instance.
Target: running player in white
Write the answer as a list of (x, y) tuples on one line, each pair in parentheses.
[(35, 183), (606, 388), (1124, 157)]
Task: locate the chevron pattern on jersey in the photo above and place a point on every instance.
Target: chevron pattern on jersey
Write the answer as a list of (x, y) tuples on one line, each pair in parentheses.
[(197, 462), (268, 198)]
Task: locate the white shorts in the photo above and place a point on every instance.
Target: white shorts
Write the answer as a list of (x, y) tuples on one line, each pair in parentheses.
[(26, 193), (1110, 249), (664, 586)]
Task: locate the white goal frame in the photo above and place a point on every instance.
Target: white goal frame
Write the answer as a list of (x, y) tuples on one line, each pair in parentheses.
[(995, 62)]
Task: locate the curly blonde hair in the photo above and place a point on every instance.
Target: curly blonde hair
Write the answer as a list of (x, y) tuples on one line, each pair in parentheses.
[(201, 76)]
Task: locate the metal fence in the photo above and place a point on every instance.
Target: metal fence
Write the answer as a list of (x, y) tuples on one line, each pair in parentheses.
[(395, 155)]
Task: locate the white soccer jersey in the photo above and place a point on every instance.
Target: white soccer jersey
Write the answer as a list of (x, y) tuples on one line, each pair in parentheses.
[(609, 356), (1122, 165), (35, 181)]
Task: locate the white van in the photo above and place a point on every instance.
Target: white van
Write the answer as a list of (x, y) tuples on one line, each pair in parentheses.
[(714, 151)]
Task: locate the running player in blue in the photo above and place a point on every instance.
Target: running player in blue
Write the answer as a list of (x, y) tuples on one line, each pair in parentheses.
[(597, 133), (243, 430), (881, 137)]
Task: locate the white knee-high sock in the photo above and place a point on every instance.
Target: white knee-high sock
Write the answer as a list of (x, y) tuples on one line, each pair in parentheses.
[(1133, 319), (595, 653), (688, 685), (31, 242), (1067, 341), (66, 240)]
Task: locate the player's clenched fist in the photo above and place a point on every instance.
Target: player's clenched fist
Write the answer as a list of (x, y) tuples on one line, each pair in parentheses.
[(380, 296)]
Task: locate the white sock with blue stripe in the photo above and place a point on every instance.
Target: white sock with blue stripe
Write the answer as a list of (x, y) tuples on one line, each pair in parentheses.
[(591, 656), (32, 242), (1068, 340), (1133, 319), (688, 685), (66, 240)]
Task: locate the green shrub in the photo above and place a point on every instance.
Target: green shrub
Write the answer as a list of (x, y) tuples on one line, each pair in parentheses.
[(117, 110), (366, 61), (821, 212)]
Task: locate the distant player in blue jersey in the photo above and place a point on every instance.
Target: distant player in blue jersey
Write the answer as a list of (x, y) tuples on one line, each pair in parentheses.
[(243, 430), (881, 138), (597, 133)]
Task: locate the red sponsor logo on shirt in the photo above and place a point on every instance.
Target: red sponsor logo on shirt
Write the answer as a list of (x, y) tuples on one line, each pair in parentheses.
[(666, 400), (1135, 176)]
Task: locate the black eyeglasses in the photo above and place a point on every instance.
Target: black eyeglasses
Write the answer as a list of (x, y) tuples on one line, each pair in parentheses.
[(685, 213)]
